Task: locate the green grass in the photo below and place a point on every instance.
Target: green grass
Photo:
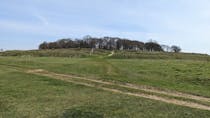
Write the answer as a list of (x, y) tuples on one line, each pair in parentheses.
[(71, 53), (83, 53), (159, 55), (26, 95), (181, 75)]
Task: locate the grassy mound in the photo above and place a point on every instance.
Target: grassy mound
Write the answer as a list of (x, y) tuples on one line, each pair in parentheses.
[(85, 53)]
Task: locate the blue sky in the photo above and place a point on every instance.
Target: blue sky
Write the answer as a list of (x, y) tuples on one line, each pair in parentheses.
[(24, 24)]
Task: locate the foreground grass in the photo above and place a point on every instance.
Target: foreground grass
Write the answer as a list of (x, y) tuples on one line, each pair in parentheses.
[(182, 75), (26, 95)]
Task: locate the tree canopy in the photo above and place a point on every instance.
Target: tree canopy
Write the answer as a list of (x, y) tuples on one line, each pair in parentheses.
[(108, 43), (175, 48)]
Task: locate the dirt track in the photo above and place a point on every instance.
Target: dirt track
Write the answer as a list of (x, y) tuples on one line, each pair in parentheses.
[(91, 83), (112, 53)]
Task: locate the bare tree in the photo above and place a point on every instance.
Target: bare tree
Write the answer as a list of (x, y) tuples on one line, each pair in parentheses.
[(166, 48), (43, 45), (176, 48), (153, 46)]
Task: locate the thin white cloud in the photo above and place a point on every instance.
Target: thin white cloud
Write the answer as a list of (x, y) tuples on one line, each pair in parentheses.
[(42, 19)]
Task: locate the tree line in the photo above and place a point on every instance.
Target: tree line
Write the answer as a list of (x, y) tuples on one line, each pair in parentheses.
[(108, 43)]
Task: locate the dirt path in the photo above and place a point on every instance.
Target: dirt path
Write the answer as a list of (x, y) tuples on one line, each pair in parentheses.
[(132, 86), (69, 78), (112, 53)]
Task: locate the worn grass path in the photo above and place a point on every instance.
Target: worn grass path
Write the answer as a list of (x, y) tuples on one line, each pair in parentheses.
[(149, 92)]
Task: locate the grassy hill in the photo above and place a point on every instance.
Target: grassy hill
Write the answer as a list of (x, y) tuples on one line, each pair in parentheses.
[(79, 53), (82, 53), (73, 83)]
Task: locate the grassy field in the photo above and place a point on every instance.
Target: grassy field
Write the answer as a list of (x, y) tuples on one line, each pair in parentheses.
[(28, 95)]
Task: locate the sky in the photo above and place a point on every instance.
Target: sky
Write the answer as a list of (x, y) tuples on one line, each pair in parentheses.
[(24, 24)]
